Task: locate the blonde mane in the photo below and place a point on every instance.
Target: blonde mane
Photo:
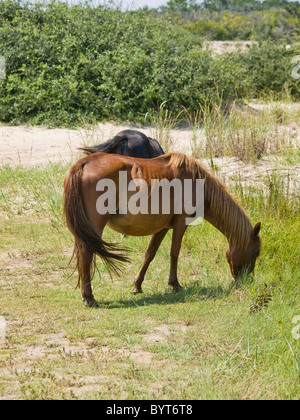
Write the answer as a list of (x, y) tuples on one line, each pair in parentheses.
[(223, 207)]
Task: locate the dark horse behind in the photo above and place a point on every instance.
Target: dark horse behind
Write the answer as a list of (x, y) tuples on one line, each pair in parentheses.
[(128, 143)]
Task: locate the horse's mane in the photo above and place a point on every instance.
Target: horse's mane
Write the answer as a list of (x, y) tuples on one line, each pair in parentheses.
[(223, 207)]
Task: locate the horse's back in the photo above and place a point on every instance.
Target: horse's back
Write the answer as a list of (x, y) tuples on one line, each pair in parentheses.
[(128, 143)]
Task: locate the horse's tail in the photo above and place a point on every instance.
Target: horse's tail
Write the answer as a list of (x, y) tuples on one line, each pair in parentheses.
[(86, 238), (110, 146)]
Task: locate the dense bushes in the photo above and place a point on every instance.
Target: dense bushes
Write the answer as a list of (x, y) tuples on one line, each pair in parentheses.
[(267, 71), (271, 24), (237, 19), (65, 63), (68, 63)]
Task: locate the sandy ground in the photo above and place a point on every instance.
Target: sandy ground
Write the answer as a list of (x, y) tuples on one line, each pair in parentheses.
[(36, 145), (29, 146), (221, 47)]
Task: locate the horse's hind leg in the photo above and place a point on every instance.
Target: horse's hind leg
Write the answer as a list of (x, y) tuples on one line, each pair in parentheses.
[(154, 244), (85, 266)]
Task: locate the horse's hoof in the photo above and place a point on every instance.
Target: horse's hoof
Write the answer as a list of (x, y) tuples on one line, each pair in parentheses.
[(136, 290), (177, 288), (91, 304)]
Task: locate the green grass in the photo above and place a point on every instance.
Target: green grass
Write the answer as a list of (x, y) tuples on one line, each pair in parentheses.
[(201, 343)]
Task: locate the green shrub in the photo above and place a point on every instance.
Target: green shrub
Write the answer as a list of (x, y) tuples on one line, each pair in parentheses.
[(267, 70), (259, 25), (65, 64)]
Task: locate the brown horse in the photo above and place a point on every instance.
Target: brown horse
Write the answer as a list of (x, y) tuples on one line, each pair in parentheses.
[(87, 224)]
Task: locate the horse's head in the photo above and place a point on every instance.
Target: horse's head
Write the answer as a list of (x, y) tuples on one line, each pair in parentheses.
[(242, 261)]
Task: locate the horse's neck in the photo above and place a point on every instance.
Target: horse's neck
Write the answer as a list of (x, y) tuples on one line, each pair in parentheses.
[(215, 222), (225, 214)]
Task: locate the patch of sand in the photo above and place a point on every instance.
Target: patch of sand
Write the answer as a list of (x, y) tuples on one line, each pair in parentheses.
[(221, 47), (29, 146)]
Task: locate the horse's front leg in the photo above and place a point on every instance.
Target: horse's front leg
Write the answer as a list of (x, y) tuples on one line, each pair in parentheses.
[(154, 244), (179, 229)]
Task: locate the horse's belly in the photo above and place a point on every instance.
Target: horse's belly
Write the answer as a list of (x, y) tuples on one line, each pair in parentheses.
[(140, 224)]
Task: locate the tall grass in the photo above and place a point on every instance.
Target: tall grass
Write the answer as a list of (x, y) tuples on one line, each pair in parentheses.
[(161, 123), (242, 131), (276, 196)]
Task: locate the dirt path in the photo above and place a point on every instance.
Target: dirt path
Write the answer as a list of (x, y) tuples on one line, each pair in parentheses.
[(29, 146)]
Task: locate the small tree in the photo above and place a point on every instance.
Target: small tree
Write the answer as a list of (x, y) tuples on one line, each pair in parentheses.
[(183, 6)]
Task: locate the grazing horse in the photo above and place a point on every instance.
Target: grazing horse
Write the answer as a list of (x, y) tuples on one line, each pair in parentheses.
[(86, 223), (128, 143)]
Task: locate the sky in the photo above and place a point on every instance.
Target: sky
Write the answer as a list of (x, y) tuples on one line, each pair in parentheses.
[(130, 4), (141, 3)]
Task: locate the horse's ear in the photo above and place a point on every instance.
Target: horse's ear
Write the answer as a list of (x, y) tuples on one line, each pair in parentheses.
[(256, 228)]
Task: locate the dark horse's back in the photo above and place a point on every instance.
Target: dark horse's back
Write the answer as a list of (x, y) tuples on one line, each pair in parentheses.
[(129, 143)]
